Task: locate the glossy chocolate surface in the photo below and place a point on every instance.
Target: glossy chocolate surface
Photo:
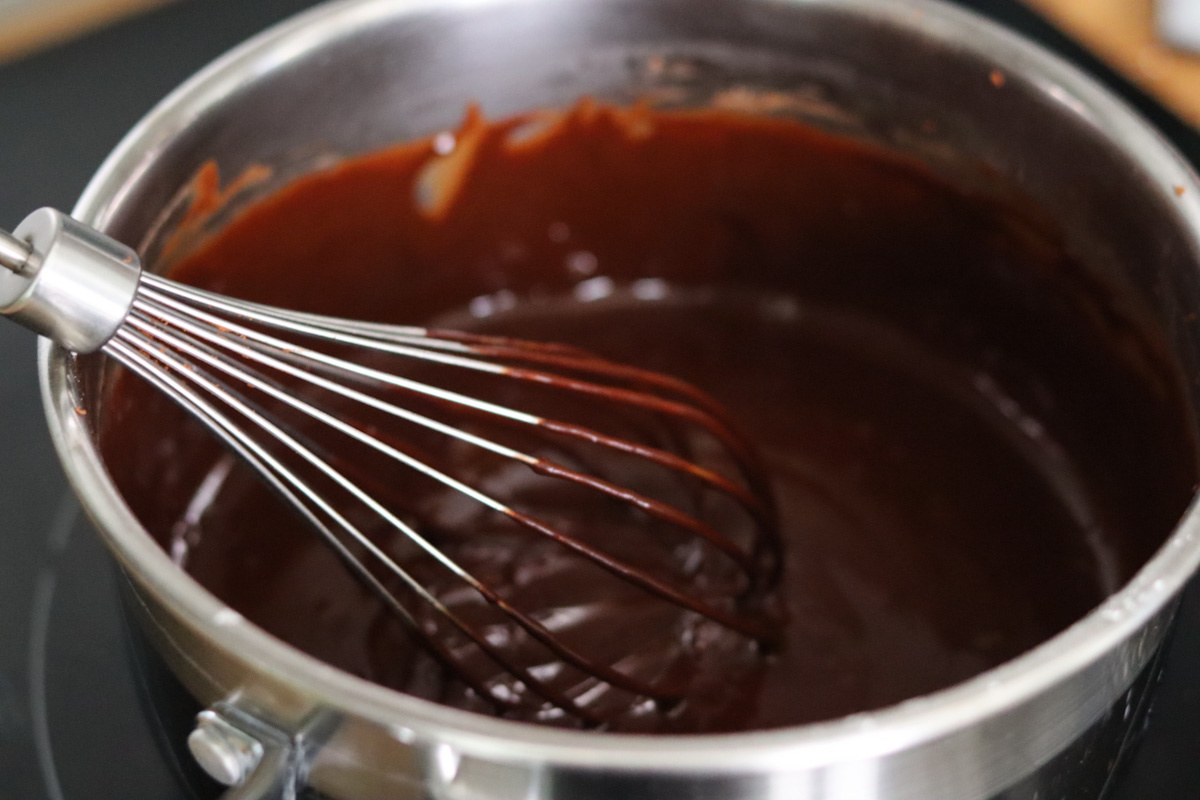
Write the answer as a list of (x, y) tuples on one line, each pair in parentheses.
[(970, 440)]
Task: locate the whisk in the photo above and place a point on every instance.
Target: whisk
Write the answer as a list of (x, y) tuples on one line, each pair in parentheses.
[(688, 520)]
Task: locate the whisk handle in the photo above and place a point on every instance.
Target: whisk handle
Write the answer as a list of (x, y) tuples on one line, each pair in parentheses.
[(15, 255), (66, 281)]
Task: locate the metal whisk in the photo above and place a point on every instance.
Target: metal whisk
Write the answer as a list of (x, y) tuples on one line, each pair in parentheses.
[(688, 517)]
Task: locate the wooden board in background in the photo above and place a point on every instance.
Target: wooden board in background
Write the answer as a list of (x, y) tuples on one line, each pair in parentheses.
[(1122, 32), (31, 25)]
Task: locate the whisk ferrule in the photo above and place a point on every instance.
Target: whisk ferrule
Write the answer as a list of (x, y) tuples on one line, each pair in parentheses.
[(66, 281)]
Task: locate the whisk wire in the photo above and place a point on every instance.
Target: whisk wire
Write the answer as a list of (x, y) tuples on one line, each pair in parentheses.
[(255, 345), (209, 356), (141, 321), (280, 478), (152, 329), (416, 343)]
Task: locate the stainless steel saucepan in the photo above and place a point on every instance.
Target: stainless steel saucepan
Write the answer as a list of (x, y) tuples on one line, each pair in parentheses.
[(359, 74)]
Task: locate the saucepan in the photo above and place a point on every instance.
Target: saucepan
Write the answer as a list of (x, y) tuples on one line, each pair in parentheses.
[(356, 75)]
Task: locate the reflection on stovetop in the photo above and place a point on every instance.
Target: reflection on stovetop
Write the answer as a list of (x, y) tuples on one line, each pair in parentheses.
[(87, 702), (75, 720), (106, 711)]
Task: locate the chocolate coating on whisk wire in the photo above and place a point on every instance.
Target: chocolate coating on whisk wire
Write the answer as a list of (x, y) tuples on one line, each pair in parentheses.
[(199, 348)]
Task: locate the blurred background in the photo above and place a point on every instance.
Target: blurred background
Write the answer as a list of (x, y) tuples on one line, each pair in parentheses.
[(28, 25), (1156, 43)]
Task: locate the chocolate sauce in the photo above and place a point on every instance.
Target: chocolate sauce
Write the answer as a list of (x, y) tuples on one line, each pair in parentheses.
[(970, 441)]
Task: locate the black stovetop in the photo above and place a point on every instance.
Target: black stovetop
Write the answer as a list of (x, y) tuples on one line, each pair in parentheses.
[(74, 721)]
